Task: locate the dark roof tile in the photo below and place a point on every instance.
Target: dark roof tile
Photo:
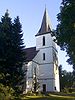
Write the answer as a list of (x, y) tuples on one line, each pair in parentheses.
[(30, 53)]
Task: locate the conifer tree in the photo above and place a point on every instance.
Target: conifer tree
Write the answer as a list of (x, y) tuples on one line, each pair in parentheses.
[(12, 53)]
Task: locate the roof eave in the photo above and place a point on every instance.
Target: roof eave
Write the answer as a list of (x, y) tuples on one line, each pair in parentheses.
[(42, 33)]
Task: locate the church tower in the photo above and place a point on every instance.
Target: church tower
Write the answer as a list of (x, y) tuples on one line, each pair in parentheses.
[(42, 61), (46, 57)]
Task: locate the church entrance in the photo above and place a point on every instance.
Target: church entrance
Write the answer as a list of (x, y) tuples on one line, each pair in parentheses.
[(44, 87)]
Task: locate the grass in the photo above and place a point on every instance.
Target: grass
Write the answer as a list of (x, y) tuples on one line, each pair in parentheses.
[(51, 96), (47, 98)]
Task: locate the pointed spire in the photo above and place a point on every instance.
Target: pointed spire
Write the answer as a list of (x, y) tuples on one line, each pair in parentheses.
[(46, 24)]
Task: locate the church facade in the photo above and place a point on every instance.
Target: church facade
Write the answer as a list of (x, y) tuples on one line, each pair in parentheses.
[(42, 61)]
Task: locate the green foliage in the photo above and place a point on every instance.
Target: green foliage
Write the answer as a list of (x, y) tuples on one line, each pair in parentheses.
[(6, 93), (69, 90), (65, 31), (66, 80), (12, 53)]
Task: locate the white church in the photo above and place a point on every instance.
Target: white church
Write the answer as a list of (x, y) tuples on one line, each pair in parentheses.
[(42, 61)]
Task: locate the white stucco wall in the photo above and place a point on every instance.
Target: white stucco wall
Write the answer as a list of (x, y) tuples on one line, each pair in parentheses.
[(49, 85), (29, 76), (39, 39), (56, 74), (47, 67), (46, 71), (29, 69), (48, 56)]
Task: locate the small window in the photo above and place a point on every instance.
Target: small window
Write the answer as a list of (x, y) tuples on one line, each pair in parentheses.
[(43, 56), (43, 40), (44, 87), (56, 67)]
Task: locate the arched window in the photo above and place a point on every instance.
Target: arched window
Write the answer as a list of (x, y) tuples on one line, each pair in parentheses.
[(43, 40)]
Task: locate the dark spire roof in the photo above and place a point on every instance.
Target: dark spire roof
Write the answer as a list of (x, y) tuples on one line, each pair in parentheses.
[(30, 53), (46, 24)]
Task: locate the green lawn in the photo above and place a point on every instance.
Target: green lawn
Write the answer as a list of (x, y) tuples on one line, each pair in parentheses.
[(50, 97)]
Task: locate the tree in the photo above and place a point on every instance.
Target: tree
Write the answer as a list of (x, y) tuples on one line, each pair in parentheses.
[(65, 31), (12, 53), (66, 79), (35, 80), (60, 77)]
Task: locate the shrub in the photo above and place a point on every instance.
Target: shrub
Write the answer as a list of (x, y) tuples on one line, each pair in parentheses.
[(6, 93), (66, 90), (71, 90)]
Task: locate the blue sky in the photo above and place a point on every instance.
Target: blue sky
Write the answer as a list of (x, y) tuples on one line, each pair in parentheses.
[(31, 13)]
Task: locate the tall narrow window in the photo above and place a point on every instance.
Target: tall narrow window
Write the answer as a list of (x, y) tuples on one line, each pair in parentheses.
[(43, 40), (43, 56)]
